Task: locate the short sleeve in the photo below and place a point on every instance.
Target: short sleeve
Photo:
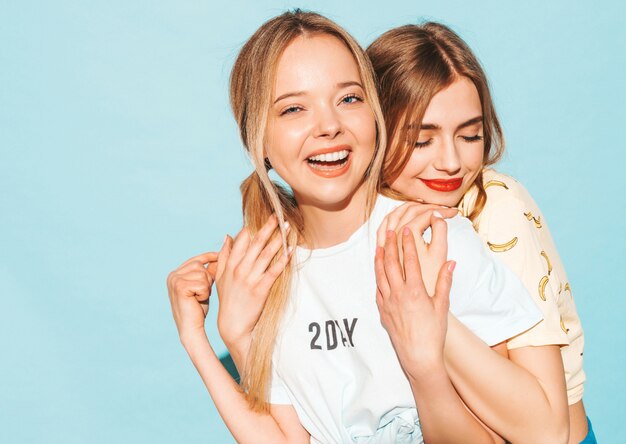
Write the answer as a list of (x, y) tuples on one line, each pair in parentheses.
[(486, 296), (278, 391), (512, 233)]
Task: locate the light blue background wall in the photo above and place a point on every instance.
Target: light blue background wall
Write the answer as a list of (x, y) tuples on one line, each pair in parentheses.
[(119, 159)]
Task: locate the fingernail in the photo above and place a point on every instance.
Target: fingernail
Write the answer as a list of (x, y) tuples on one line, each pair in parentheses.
[(451, 266), (286, 225), (437, 214), (406, 231)]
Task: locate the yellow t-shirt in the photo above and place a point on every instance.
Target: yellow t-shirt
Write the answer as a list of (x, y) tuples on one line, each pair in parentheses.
[(514, 229)]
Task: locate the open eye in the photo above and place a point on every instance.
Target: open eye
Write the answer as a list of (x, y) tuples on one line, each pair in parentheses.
[(351, 98), (291, 110)]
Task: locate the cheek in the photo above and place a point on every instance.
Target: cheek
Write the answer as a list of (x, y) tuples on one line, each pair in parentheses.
[(415, 166), (284, 142), (473, 157), (364, 128)]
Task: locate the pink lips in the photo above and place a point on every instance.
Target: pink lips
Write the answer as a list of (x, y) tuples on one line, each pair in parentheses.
[(332, 172)]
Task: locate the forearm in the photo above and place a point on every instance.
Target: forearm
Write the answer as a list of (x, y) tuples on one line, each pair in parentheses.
[(443, 416), (239, 353), (508, 398), (246, 425)]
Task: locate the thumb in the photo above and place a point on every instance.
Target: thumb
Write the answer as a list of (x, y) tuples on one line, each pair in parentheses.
[(443, 286), (212, 269)]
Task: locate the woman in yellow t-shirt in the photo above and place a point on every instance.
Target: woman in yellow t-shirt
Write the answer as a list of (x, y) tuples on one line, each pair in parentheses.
[(443, 134)]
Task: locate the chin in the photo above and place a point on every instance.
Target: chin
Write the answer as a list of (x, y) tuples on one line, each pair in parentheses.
[(447, 201)]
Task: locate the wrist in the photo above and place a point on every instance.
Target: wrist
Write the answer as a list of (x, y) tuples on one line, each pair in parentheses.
[(192, 336), (423, 365), (427, 373)]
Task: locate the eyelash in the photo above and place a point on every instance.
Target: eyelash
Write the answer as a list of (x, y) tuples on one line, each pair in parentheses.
[(295, 108), (471, 139), (351, 96), (290, 110), (476, 138), (419, 145)]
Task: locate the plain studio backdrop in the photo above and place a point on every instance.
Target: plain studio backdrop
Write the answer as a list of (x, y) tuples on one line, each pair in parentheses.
[(119, 159)]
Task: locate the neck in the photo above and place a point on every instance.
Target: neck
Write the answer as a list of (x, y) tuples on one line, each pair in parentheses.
[(325, 226)]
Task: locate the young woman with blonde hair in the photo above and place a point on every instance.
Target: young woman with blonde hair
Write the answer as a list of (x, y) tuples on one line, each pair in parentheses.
[(444, 133), (303, 326)]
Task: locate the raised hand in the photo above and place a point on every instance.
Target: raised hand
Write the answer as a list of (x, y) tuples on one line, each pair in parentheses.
[(189, 288), (246, 271), (415, 320)]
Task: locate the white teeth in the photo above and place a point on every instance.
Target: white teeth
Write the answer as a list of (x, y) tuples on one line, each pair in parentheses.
[(330, 157)]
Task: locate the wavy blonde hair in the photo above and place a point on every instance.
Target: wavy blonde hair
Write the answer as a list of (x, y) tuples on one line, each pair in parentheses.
[(251, 86), (413, 63)]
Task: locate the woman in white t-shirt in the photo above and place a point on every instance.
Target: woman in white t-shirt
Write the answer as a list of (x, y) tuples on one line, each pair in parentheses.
[(317, 364)]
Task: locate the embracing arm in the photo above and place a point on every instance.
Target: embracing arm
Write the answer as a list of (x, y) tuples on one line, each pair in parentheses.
[(526, 401), (523, 399), (416, 324)]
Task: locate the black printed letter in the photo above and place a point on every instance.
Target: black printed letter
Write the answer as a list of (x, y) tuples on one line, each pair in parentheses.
[(350, 329), (315, 326), (333, 345)]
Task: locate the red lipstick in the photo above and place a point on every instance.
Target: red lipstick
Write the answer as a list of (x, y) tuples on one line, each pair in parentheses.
[(443, 185)]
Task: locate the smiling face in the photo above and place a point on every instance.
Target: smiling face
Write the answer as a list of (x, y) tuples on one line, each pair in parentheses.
[(448, 154), (321, 133)]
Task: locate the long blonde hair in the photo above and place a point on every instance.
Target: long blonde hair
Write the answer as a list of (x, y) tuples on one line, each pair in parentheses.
[(251, 86), (413, 63)]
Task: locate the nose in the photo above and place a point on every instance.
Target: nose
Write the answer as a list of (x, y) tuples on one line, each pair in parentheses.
[(328, 123), (448, 157)]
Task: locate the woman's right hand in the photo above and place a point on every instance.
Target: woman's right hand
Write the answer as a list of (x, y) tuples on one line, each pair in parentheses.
[(189, 288), (245, 275)]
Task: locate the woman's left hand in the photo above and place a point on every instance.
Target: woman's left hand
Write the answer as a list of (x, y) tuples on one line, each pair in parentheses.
[(416, 321)]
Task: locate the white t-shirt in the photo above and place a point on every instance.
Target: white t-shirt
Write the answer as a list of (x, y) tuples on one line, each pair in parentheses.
[(334, 361)]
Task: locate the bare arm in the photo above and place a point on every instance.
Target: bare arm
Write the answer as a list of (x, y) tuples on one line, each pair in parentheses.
[(241, 268), (417, 324), (523, 399), (280, 425)]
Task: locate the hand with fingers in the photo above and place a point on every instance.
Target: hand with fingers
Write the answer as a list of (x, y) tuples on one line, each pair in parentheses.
[(416, 216), (189, 288), (415, 319), (246, 270)]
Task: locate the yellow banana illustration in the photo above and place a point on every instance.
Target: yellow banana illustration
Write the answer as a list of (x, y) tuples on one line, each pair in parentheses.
[(542, 287), (536, 220), (567, 288), (496, 183), (545, 256), (499, 248), (566, 330), (560, 287)]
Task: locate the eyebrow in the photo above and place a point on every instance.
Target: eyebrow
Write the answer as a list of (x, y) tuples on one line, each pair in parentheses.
[(432, 126), (340, 85)]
